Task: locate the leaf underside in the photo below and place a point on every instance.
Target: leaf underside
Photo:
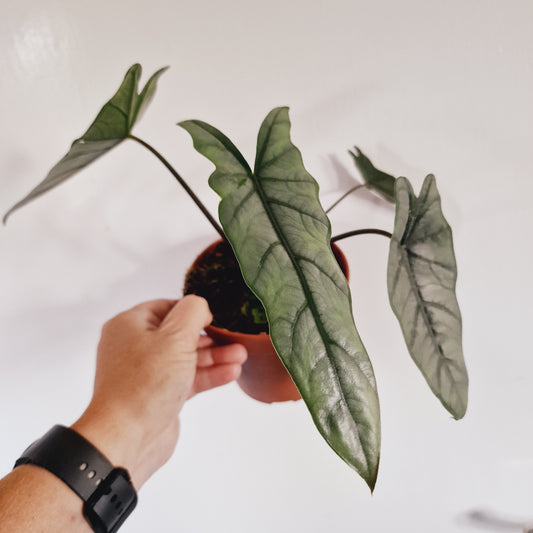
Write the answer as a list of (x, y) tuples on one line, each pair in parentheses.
[(374, 178), (111, 126), (281, 238), (421, 280)]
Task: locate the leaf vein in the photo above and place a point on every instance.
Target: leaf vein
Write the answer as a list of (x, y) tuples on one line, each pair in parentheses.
[(275, 158), (299, 211), (421, 304), (263, 258), (420, 257), (297, 317), (241, 203), (321, 270)]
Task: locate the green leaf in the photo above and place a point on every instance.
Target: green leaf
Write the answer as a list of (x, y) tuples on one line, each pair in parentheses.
[(421, 280), (376, 179), (112, 125), (281, 238)]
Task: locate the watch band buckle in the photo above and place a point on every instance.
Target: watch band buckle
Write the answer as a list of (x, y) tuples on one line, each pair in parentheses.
[(111, 503)]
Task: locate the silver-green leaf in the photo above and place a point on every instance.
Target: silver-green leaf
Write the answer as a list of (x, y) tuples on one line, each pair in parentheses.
[(112, 125), (281, 238), (421, 280), (376, 179)]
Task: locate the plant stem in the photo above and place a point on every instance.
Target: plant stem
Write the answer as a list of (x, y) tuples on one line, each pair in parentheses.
[(183, 183), (353, 189), (361, 232)]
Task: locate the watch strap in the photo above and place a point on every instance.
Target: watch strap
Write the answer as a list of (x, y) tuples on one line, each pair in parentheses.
[(107, 492)]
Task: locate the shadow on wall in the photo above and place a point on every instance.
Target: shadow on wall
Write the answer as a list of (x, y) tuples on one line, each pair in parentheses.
[(487, 520)]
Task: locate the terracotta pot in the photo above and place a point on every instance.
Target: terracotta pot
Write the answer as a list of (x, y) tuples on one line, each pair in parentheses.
[(264, 376)]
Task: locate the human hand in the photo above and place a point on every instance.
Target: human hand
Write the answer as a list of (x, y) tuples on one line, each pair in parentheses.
[(151, 359)]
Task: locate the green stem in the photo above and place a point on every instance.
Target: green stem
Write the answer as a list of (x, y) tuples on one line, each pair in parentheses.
[(353, 189), (182, 182), (361, 232)]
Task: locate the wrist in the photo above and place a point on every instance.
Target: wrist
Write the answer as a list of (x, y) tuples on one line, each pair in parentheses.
[(139, 447), (114, 437)]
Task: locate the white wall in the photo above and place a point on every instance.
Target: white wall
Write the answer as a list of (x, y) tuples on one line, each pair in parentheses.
[(422, 86)]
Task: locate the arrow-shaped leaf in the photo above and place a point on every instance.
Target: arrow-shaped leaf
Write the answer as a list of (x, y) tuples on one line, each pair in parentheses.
[(421, 278), (281, 237), (376, 179), (112, 125)]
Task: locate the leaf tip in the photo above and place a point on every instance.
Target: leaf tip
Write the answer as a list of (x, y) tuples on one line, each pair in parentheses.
[(372, 478), (158, 73), (458, 412), (356, 153), (277, 113), (136, 69), (401, 181), (187, 125), (9, 212), (430, 180), (401, 186)]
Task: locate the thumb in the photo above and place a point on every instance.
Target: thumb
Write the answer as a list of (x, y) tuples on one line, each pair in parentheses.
[(188, 318)]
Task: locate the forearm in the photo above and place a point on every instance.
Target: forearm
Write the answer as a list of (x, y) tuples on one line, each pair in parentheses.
[(34, 500)]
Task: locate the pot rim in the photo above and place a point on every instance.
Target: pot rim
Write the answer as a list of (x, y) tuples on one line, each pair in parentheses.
[(341, 259), (226, 331)]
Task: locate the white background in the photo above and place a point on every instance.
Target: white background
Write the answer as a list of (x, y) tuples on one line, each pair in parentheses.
[(421, 86)]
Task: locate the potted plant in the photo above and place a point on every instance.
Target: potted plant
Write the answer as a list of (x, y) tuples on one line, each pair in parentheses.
[(275, 229)]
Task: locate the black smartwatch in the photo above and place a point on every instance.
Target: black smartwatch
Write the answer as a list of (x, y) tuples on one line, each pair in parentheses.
[(107, 492)]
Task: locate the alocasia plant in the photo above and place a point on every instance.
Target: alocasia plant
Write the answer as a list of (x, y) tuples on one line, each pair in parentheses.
[(281, 237)]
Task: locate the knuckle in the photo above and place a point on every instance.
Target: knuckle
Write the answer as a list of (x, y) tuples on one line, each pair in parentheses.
[(115, 321)]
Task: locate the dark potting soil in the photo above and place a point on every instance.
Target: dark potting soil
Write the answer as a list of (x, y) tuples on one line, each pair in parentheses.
[(217, 277)]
